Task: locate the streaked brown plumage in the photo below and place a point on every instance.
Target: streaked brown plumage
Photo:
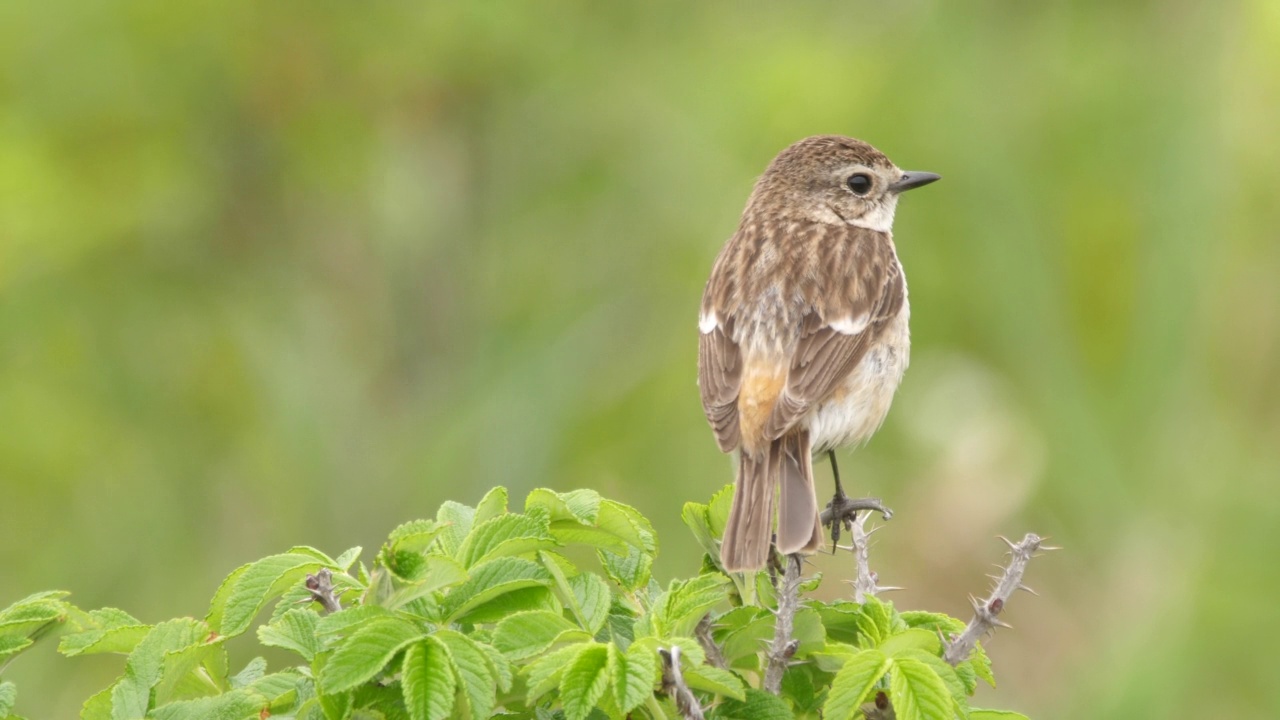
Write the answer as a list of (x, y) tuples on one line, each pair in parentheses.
[(803, 333)]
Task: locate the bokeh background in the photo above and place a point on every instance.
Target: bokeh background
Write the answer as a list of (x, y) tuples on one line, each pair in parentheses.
[(280, 273)]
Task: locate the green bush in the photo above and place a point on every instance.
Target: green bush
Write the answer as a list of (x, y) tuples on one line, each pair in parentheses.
[(478, 614)]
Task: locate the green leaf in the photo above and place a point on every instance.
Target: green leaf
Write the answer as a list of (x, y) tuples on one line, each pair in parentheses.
[(527, 634), (255, 670), (414, 536), (523, 600), (681, 608), (585, 681), (427, 680), (366, 652), (976, 714), (8, 696), (218, 606), (489, 580), (543, 675), (131, 696), (347, 558), (875, 621), (833, 656), (500, 666), (505, 535), (258, 583), (179, 679), (493, 504), (580, 506), (981, 664), (950, 679), (632, 675), (472, 668), (98, 706), (631, 570), (456, 520), (107, 630), (295, 630), (718, 510), (918, 693), (591, 600), (694, 516), (936, 622), (804, 690), (913, 639), (713, 679), (851, 685), (346, 620), (235, 705), (421, 575), (759, 705)]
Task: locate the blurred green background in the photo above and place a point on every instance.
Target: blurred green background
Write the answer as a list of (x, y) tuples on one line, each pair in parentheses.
[(277, 273)]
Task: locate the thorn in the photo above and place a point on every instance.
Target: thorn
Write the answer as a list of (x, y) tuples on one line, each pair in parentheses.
[(993, 577), (889, 588), (1033, 592), (1001, 623), (1049, 548), (1007, 541)]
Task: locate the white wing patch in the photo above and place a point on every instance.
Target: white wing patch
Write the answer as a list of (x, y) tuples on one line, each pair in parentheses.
[(851, 326), (708, 322)]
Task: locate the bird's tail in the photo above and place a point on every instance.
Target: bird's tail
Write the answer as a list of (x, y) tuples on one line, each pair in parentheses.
[(787, 463)]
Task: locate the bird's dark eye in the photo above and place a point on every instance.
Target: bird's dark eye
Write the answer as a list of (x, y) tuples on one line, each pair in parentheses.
[(860, 183)]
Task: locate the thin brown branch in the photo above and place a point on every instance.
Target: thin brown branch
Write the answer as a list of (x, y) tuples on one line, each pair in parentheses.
[(986, 612), (674, 686), (322, 590), (703, 634), (784, 646)]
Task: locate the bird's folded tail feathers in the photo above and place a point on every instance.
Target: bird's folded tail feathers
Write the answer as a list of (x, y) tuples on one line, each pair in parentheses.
[(748, 534), (799, 529)]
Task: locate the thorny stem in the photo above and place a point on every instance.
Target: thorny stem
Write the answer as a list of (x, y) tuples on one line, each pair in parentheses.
[(673, 685), (784, 646), (322, 591), (703, 634), (986, 612), (865, 581)]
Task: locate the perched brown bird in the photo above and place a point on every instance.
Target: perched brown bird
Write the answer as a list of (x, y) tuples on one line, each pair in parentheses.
[(803, 333)]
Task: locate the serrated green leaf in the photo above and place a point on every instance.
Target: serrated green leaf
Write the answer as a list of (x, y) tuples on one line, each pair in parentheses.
[(802, 689), (759, 705), (937, 622), (427, 680), (585, 681), (98, 706), (718, 510), (918, 693), (414, 536), (131, 696), (493, 504), (455, 520), (833, 656), (8, 697), (430, 573), (841, 621), (366, 652), (500, 666), (681, 608), (713, 679), (526, 634), (218, 606), (580, 506), (348, 557), (344, 621), (543, 675), (694, 516), (632, 675), (976, 714), (178, 677), (472, 668), (913, 639), (851, 685), (981, 664), (106, 630), (234, 705), (591, 600), (253, 671), (875, 621), (631, 570), (742, 633), (491, 579), (295, 630), (505, 535), (523, 600), (258, 583), (950, 679)]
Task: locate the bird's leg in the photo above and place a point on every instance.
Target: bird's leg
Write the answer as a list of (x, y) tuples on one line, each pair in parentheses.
[(843, 510)]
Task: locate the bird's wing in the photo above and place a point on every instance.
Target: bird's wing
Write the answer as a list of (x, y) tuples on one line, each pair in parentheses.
[(850, 307), (719, 361)]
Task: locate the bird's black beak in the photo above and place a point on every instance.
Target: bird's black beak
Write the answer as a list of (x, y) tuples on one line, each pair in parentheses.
[(913, 179)]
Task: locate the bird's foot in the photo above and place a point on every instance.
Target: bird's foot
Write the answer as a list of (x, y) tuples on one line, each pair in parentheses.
[(843, 510)]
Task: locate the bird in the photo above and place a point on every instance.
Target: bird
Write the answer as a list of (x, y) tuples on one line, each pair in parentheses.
[(803, 334)]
